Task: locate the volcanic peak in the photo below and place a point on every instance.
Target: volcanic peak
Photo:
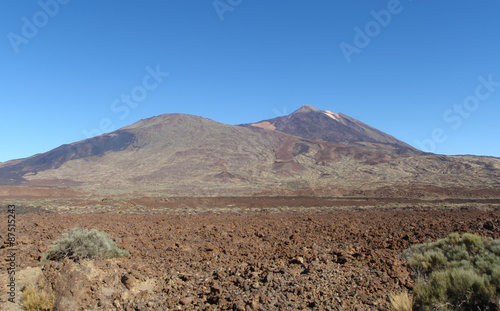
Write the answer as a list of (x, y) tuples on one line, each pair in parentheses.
[(306, 108)]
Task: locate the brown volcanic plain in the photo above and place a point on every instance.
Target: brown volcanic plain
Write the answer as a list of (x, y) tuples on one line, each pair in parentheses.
[(306, 211), (213, 256)]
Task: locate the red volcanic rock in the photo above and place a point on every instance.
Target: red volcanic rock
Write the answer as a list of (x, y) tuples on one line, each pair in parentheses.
[(347, 260)]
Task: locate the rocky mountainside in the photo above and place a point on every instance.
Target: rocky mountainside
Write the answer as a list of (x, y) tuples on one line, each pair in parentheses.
[(309, 122), (177, 154)]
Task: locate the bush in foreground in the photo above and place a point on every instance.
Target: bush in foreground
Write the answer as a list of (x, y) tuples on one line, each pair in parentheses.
[(37, 300), (78, 244), (456, 273), (401, 302)]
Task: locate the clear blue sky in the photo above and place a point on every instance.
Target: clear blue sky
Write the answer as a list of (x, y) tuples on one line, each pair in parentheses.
[(65, 66)]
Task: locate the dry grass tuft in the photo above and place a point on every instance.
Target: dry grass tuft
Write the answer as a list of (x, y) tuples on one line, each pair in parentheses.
[(401, 302), (37, 300)]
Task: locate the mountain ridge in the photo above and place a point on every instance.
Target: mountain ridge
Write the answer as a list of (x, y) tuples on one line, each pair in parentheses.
[(179, 154), (334, 127)]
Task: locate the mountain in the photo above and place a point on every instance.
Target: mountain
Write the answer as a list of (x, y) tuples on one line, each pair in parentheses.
[(178, 154), (311, 123)]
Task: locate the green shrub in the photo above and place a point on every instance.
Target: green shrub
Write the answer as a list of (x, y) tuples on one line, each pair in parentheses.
[(455, 288), (78, 244), (456, 273)]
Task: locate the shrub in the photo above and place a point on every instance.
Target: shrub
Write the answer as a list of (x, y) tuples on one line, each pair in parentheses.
[(401, 302), (37, 300), (456, 273), (463, 289), (78, 244)]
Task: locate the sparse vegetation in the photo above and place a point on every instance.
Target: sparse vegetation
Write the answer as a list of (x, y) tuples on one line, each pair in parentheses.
[(401, 302), (35, 299), (78, 244), (456, 273)]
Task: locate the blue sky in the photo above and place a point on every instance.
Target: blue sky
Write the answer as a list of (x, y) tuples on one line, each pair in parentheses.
[(426, 72)]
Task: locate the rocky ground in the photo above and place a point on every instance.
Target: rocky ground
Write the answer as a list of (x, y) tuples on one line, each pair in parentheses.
[(328, 258)]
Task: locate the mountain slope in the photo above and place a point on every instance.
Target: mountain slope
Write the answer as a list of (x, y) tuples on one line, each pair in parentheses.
[(182, 153), (176, 154), (13, 174), (311, 123)]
